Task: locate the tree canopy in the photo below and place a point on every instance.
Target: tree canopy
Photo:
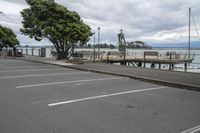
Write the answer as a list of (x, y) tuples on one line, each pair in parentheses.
[(137, 44), (7, 38), (48, 19)]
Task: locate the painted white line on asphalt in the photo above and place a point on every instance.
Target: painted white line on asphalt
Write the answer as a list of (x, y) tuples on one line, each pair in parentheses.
[(27, 70), (40, 75), (103, 96), (67, 82), (20, 67), (192, 130)]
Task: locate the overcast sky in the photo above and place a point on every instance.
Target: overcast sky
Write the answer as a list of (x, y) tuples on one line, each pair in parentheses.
[(152, 21)]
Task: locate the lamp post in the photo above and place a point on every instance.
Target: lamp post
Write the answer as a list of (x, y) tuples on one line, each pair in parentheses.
[(94, 47), (98, 41), (189, 33)]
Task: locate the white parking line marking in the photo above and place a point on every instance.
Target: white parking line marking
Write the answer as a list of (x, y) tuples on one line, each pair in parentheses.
[(103, 96), (67, 82), (40, 75), (192, 130), (20, 67), (27, 70)]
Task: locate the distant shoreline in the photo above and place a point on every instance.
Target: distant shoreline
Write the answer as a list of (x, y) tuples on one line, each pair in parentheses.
[(175, 48)]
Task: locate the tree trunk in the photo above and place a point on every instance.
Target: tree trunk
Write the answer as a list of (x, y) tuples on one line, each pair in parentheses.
[(62, 52)]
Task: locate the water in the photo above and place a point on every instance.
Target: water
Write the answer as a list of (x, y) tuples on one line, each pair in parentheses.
[(194, 66)]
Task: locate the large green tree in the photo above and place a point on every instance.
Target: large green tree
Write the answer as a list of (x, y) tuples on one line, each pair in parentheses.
[(7, 38), (62, 27)]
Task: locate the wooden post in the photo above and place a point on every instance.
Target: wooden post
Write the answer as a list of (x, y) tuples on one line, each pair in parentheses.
[(107, 56), (152, 65), (170, 56), (81, 55), (159, 65), (172, 67), (43, 52), (15, 51), (144, 59), (139, 64), (32, 51), (185, 67), (94, 55), (39, 52)]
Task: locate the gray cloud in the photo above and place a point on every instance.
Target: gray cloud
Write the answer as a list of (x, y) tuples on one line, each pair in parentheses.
[(138, 18), (148, 20), (17, 1)]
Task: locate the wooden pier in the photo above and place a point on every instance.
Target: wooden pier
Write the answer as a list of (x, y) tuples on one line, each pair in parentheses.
[(152, 58)]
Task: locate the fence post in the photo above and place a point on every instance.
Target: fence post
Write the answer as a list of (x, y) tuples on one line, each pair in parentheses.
[(32, 51), (144, 59), (43, 52), (108, 54), (170, 56), (159, 65), (39, 52), (15, 51), (185, 68)]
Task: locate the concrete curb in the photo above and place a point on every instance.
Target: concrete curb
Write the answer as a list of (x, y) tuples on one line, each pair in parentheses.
[(146, 79), (151, 80)]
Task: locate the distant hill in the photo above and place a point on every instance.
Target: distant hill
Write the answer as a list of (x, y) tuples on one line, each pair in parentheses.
[(137, 44), (177, 45)]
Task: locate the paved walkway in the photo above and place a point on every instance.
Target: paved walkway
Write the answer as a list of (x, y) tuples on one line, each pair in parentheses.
[(169, 78)]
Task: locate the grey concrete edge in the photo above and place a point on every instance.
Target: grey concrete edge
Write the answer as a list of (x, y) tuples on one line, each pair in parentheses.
[(146, 79)]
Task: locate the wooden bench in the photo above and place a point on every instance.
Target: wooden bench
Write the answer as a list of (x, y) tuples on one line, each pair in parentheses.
[(77, 55), (150, 53), (19, 54)]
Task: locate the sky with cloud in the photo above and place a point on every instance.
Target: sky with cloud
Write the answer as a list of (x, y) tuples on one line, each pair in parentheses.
[(152, 21)]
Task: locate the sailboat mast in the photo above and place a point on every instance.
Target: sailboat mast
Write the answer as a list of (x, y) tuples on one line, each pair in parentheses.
[(189, 32)]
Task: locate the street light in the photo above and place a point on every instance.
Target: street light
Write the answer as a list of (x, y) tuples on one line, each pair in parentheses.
[(189, 33), (98, 41), (94, 47)]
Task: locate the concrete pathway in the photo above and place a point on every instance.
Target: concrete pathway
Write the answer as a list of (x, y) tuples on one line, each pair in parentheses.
[(169, 78)]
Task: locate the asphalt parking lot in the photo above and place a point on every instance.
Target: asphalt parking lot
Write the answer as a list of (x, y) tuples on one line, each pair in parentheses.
[(41, 98)]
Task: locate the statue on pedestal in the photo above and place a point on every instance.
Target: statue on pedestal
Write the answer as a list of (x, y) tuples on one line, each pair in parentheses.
[(122, 41)]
